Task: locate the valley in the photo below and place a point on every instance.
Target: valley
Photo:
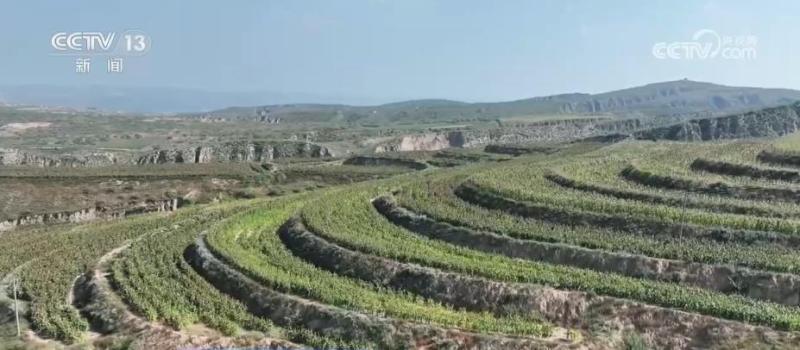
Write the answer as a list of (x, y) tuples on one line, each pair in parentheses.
[(301, 228)]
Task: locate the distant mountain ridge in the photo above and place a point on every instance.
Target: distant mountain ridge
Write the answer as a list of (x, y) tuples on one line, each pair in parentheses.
[(673, 98), (144, 99), (685, 95)]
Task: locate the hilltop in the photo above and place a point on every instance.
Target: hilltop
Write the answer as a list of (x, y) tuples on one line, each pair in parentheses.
[(680, 98)]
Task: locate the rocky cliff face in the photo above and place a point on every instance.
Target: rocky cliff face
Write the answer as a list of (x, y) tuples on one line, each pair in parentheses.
[(424, 142), (10, 156), (235, 152), (768, 122), (550, 131), (225, 152), (90, 214)]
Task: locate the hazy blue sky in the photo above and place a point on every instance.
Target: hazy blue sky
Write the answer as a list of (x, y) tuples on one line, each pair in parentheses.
[(389, 50)]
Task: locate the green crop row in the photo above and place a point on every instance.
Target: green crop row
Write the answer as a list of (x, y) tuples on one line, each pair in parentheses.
[(678, 162), (354, 223), (519, 180), (434, 197), (59, 257), (250, 242), (58, 254), (657, 196), (603, 169), (153, 278)]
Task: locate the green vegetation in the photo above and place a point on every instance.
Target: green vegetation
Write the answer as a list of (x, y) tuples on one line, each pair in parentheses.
[(56, 259), (154, 279), (355, 224), (434, 197), (522, 182), (789, 142), (250, 242), (151, 275)]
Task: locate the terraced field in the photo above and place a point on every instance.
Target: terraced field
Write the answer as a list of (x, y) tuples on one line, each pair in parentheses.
[(636, 245)]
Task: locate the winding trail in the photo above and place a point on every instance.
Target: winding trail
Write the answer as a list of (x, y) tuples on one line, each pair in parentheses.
[(109, 314)]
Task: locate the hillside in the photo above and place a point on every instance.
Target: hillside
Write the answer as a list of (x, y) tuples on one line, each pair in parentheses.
[(683, 98), (636, 245)]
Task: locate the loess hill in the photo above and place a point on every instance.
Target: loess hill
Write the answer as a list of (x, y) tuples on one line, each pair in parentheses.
[(629, 245)]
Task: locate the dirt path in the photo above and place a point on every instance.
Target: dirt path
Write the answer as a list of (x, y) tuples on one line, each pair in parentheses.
[(106, 306)]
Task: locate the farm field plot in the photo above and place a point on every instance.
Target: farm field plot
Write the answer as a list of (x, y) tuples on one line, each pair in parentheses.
[(307, 176), (40, 195), (607, 169), (48, 263), (557, 249), (251, 243)]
